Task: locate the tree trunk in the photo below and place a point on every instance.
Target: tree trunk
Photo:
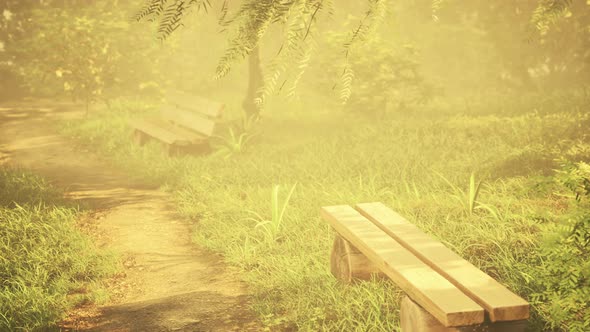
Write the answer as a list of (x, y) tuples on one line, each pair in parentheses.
[(255, 81)]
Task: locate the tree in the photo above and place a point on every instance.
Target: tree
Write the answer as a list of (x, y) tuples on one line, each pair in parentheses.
[(56, 47), (14, 16), (255, 82), (250, 21), (533, 44)]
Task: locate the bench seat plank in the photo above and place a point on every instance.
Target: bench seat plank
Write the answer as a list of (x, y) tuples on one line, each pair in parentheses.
[(161, 130), (424, 285), (191, 136), (207, 107), (499, 302), (189, 120)]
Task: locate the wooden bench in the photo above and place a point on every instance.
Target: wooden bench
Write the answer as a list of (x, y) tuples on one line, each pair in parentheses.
[(444, 292), (184, 124)]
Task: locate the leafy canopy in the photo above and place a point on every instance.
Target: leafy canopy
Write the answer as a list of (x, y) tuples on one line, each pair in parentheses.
[(250, 21)]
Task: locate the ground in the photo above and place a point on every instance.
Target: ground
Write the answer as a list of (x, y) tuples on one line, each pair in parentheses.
[(167, 283)]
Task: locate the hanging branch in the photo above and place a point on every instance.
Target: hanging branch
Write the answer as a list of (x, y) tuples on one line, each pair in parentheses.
[(548, 13)]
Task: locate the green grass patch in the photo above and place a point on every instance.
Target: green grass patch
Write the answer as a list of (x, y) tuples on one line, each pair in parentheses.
[(458, 176), (46, 264)]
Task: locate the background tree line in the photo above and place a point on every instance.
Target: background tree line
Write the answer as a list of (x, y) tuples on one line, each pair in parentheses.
[(411, 49)]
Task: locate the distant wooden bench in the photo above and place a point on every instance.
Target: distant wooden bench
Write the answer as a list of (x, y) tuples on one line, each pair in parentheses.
[(444, 291), (184, 124)]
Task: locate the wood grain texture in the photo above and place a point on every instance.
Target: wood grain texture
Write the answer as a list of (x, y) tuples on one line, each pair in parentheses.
[(159, 130), (185, 124), (424, 285), (500, 303), (195, 122), (190, 135), (198, 104), (348, 264), (414, 318)]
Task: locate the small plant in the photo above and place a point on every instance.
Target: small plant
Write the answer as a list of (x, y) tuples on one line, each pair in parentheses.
[(576, 177), (271, 228), (468, 198), (564, 274), (411, 189), (238, 139)]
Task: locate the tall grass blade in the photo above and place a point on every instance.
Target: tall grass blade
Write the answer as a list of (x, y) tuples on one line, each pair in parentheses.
[(287, 199), (275, 203), (473, 192)]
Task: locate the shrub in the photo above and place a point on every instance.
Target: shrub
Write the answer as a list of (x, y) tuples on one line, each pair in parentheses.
[(386, 77), (564, 275), (84, 52)]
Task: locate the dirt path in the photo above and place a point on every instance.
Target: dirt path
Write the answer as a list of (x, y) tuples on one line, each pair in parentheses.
[(168, 283)]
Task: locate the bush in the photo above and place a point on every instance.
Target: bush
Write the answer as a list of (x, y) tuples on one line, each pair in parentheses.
[(83, 52), (386, 77), (576, 177), (564, 275)]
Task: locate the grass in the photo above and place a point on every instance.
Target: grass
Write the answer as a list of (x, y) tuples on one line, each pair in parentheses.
[(272, 227), (424, 164), (46, 264)]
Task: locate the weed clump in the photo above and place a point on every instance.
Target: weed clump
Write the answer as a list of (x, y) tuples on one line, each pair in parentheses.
[(563, 279), (44, 258)]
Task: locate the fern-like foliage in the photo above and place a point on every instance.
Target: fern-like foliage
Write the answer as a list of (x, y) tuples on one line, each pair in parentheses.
[(295, 53), (223, 12), (373, 18), (151, 10), (251, 21), (346, 82), (169, 13), (170, 18), (435, 6), (549, 12)]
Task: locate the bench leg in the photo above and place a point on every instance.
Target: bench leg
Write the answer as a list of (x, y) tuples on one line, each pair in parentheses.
[(348, 264), (139, 138), (198, 148), (415, 319), (173, 150)]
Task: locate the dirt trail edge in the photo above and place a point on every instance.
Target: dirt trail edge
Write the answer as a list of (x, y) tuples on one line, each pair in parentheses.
[(168, 283)]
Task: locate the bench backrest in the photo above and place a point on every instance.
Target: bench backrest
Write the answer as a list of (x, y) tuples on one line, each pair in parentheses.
[(450, 288), (192, 112)]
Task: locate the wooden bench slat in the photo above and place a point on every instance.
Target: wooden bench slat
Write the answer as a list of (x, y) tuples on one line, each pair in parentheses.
[(499, 302), (160, 130), (427, 287), (193, 137), (174, 125), (190, 120), (189, 102), (185, 124)]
